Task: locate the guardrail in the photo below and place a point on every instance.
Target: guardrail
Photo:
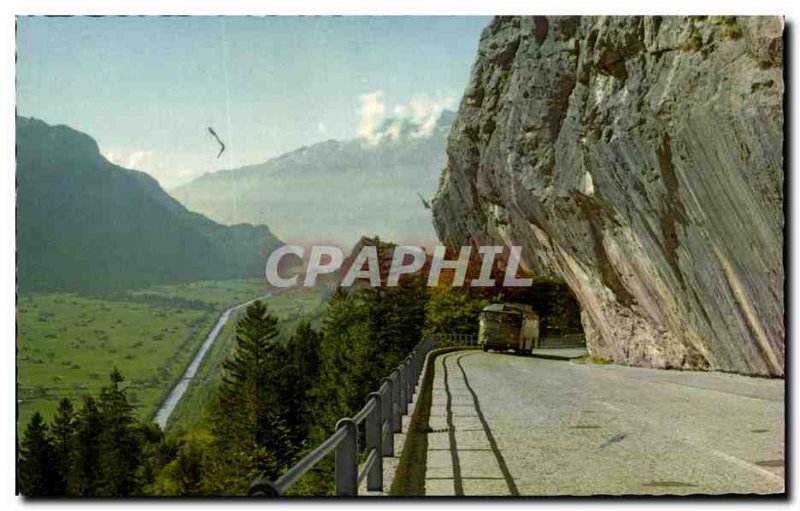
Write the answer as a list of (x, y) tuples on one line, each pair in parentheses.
[(447, 340), (561, 341), (381, 417)]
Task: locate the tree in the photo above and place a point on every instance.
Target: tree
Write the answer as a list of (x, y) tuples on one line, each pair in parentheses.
[(397, 315), (36, 469), (299, 373), (184, 474), (453, 311), (154, 447), (63, 433), (120, 445), (345, 357), (83, 478), (252, 440)]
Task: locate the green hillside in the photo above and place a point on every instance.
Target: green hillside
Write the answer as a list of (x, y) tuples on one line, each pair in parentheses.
[(85, 224)]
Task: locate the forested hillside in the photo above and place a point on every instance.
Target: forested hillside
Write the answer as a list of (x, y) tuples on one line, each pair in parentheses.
[(86, 224)]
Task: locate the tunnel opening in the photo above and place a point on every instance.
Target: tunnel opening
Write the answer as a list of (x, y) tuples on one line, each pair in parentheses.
[(546, 301), (558, 311)]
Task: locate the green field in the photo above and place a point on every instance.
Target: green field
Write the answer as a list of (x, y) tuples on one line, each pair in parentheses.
[(68, 343), (219, 294), (289, 306)]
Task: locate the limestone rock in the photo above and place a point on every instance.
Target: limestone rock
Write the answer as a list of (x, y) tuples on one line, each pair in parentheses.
[(639, 159)]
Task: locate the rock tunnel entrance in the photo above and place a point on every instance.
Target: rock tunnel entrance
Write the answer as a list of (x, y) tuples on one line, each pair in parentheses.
[(558, 310)]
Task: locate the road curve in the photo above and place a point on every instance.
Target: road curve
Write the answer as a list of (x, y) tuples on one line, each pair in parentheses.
[(513, 425), (176, 394)]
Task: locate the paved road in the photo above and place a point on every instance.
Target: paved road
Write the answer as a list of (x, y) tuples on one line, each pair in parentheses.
[(176, 394), (526, 426)]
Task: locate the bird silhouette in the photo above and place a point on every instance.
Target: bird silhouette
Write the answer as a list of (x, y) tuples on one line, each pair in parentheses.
[(424, 202), (222, 146)]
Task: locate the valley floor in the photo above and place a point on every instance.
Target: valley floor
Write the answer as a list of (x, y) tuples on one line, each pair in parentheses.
[(68, 343)]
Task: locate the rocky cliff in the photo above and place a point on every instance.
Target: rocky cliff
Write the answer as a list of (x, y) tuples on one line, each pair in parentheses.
[(639, 159)]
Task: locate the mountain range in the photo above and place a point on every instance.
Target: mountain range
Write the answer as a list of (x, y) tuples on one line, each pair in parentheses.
[(335, 191), (84, 223)]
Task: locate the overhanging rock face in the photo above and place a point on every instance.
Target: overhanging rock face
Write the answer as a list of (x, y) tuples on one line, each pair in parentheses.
[(639, 159)]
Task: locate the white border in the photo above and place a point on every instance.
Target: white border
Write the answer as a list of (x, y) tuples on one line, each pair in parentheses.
[(11, 8)]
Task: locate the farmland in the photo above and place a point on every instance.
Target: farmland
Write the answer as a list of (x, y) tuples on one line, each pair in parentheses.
[(67, 343)]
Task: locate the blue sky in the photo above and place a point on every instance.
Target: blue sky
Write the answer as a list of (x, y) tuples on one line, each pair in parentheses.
[(147, 88)]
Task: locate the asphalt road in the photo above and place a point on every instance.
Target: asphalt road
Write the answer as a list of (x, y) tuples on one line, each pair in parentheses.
[(513, 425)]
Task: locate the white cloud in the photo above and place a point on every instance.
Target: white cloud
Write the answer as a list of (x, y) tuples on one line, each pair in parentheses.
[(372, 113), (114, 157), (137, 160), (322, 129), (394, 130), (425, 111), (421, 112)]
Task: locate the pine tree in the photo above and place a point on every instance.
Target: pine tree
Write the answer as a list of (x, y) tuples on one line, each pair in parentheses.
[(120, 445), (300, 373), (250, 431), (83, 478), (63, 433), (36, 469), (345, 356)]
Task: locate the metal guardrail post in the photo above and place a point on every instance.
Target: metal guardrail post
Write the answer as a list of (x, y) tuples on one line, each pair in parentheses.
[(409, 384), (406, 379), (347, 460), (397, 419), (412, 376), (373, 434), (403, 386), (387, 416)]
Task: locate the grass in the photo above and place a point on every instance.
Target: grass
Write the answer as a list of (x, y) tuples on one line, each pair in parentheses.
[(68, 343), (219, 294), (290, 306)]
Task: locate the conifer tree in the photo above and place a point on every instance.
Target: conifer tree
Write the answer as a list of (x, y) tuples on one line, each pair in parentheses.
[(120, 446), (83, 478), (345, 356), (248, 425), (63, 433), (299, 374), (36, 469)]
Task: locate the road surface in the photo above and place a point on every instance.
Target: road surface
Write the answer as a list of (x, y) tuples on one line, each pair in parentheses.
[(175, 396), (513, 425)]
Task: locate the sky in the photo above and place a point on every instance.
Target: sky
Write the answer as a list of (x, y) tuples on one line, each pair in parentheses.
[(147, 88)]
